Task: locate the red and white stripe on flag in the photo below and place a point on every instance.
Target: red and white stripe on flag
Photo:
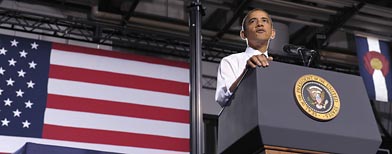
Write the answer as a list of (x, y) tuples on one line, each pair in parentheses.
[(116, 102)]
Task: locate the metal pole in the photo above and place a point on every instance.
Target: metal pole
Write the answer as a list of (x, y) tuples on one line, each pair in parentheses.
[(195, 76)]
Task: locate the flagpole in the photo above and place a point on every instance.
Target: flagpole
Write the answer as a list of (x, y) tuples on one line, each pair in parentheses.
[(195, 75)]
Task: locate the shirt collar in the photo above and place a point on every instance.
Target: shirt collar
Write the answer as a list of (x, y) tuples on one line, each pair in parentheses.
[(251, 52)]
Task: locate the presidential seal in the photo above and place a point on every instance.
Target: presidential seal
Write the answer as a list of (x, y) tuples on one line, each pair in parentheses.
[(316, 97)]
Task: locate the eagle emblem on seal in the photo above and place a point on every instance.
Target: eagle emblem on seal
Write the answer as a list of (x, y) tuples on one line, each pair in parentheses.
[(317, 97)]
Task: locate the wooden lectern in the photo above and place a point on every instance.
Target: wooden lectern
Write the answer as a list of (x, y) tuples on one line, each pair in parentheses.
[(265, 115)]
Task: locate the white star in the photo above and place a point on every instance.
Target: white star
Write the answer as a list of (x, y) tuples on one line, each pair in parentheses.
[(14, 43), (32, 64), (30, 84), (21, 73), (12, 62), (2, 51), (34, 45), (26, 124), (10, 82), (17, 113), (29, 104), (23, 53), (1, 91), (4, 122), (2, 71), (19, 93), (7, 102)]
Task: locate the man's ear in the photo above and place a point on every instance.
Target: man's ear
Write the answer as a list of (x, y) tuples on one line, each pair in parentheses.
[(242, 35), (273, 34)]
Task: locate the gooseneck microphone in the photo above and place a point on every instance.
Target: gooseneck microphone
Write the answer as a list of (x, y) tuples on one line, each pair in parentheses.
[(307, 55), (298, 50)]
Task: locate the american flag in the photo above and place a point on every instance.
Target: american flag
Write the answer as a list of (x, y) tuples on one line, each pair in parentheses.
[(72, 96)]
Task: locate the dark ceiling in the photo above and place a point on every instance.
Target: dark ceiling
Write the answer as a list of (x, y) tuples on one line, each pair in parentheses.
[(160, 26)]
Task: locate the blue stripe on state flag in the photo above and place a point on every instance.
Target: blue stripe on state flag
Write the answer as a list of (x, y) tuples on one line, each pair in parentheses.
[(375, 60), (384, 47), (24, 67)]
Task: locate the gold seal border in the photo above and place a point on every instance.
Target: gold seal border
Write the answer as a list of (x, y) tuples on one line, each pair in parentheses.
[(309, 111)]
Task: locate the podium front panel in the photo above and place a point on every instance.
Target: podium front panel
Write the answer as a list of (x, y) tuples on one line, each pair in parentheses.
[(282, 122), (265, 102)]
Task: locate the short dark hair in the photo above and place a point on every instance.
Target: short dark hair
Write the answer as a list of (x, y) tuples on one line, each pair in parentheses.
[(249, 12)]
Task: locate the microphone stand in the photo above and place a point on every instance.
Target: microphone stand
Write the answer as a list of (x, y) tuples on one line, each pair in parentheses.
[(304, 56), (312, 53), (300, 51)]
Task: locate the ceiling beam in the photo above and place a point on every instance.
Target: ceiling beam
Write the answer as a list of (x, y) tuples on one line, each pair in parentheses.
[(216, 20), (238, 11), (130, 12), (337, 21), (313, 37)]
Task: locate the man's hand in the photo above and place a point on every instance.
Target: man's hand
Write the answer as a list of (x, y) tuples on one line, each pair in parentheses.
[(258, 60)]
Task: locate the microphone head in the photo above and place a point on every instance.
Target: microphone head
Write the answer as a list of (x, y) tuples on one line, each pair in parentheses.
[(292, 49), (286, 48), (296, 50)]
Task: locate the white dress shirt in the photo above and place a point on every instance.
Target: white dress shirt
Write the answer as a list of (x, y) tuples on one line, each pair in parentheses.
[(230, 68)]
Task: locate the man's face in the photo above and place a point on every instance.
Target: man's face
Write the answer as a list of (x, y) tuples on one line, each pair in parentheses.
[(258, 27)]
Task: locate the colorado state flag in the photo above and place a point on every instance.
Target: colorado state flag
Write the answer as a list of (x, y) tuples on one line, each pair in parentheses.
[(374, 66)]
